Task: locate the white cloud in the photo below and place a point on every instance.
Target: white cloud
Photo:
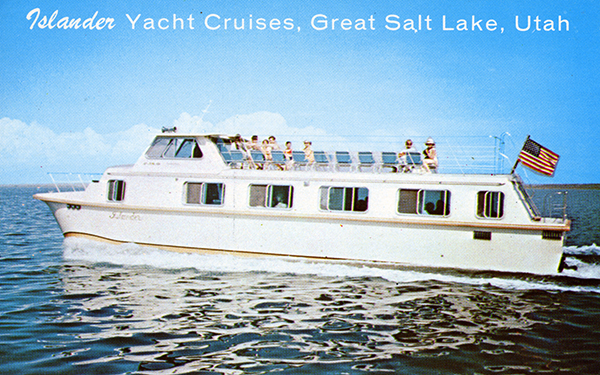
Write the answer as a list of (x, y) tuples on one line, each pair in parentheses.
[(262, 124), (39, 149), (35, 144), (27, 152)]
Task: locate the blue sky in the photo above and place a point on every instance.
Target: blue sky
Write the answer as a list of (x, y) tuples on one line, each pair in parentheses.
[(81, 99)]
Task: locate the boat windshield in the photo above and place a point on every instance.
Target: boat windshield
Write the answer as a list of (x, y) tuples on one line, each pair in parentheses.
[(174, 147)]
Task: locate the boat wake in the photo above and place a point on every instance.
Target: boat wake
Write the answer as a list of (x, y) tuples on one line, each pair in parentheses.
[(585, 278), (586, 259)]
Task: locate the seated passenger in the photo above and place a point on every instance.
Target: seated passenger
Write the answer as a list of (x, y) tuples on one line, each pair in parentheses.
[(288, 154), (273, 143), (308, 152), (253, 144), (266, 149), (439, 208), (362, 205), (402, 155), (430, 160), (280, 201), (430, 208), (240, 145)]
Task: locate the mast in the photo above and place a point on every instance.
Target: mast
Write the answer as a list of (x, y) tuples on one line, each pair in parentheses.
[(517, 162)]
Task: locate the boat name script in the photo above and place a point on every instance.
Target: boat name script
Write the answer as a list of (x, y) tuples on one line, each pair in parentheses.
[(318, 22), (125, 216)]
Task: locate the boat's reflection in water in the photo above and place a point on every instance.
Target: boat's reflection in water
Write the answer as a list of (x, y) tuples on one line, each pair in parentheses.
[(174, 312)]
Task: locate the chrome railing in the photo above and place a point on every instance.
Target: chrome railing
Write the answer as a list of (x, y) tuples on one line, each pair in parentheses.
[(72, 180)]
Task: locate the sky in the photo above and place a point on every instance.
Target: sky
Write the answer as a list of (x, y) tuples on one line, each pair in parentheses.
[(367, 74)]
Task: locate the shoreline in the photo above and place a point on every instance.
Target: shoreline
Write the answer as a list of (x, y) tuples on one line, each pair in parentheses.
[(564, 186)]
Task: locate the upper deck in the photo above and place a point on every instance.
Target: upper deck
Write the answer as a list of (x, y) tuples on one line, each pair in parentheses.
[(218, 152), (227, 156)]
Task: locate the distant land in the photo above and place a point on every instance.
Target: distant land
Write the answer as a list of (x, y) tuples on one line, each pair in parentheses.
[(564, 186)]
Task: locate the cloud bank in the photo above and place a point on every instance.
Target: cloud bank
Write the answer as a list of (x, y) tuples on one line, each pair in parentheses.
[(29, 151)]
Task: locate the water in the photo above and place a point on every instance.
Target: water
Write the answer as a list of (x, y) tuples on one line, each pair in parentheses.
[(80, 307)]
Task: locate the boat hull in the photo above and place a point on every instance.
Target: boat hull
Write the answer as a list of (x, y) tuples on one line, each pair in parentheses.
[(332, 237)]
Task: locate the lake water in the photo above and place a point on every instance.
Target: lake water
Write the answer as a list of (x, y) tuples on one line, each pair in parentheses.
[(78, 307)]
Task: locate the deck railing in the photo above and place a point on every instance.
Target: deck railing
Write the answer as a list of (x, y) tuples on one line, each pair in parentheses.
[(460, 155), (72, 180), (366, 161)]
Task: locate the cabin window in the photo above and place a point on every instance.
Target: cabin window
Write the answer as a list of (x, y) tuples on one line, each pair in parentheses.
[(490, 204), (204, 193), (174, 148), (157, 148), (344, 198), (171, 148), (271, 196), (424, 202), (116, 190), (189, 149)]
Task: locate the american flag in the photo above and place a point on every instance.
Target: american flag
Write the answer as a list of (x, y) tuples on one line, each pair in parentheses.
[(538, 158)]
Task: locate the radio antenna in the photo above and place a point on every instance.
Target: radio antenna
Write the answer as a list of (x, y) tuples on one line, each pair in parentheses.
[(205, 110)]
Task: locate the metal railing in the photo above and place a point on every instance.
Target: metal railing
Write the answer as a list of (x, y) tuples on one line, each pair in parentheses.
[(456, 154), (555, 204), (72, 180)]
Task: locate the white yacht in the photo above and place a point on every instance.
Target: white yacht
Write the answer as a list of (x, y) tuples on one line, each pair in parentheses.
[(204, 193)]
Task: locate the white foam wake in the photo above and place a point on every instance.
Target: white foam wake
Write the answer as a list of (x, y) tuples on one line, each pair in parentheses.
[(135, 255), (582, 250)]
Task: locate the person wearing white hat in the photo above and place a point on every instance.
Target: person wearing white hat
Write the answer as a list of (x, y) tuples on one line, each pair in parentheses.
[(430, 160), (309, 153)]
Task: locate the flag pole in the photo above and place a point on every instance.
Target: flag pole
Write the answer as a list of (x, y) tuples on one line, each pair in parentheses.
[(517, 162)]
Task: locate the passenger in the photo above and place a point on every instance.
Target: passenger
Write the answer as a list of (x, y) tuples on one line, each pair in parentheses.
[(430, 160), (238, 144), (439, 208), (280, 201), (402, 155), (275, 147), (253, 144), (362, 205), (241, 146), (430, 208), (266, 150), (273, 143), (288, 153), (308, 152)]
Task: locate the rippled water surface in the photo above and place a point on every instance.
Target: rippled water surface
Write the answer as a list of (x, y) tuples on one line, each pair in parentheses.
[(79, 307)]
